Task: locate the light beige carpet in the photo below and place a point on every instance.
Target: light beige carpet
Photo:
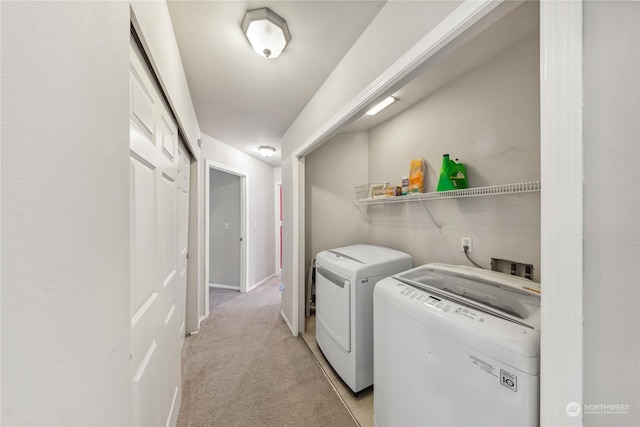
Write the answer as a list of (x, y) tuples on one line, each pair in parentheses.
[(245, 368)]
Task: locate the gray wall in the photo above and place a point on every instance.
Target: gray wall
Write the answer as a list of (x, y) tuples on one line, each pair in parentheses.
[(331, 173), (224, 242), (611, 209), (490, 119)]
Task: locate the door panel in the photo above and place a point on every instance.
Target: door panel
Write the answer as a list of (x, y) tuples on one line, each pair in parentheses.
[(168, 137), (333, 306), (157, 296), (168, 225), (145, 388), (143, 233), (142, 104), (170, 343)]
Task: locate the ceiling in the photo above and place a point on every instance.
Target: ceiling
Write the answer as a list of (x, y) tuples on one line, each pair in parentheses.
[(494, 34), (245, 100)]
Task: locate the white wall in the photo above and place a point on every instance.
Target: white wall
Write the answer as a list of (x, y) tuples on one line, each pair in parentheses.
[(195, 274), (277, 180), (288, 245), (65, 213), (261, 207), (611, 209), (65, 204)]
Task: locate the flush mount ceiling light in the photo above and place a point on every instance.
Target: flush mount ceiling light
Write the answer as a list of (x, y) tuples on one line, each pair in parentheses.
[(381, 105), (267, 32), (266, 150)]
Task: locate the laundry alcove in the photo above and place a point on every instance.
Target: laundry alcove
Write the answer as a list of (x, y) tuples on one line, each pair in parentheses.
[(479, 102)]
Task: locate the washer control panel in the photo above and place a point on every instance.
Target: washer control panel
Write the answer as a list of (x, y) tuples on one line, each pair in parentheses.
[(444, 305), (475, 317)]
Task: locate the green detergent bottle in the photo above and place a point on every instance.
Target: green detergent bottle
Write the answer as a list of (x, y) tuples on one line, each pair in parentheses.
[(453, 175)]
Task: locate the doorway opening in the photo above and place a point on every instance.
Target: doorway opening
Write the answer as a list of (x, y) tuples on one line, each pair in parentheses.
[(226, 245)]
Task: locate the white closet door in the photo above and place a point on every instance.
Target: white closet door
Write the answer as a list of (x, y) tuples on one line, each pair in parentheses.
[(157, 312)]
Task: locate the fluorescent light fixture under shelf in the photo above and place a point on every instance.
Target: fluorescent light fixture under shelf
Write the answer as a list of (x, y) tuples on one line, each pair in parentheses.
[(382, 105)]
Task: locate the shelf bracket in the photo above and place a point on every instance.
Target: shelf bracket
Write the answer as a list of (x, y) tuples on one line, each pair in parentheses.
[(426, 210), (362, 213)]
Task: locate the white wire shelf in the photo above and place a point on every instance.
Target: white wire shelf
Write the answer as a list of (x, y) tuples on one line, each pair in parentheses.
[(521, 187), (491, 190)]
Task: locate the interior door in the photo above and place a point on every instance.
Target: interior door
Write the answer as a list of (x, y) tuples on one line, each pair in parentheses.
[(155, 252)]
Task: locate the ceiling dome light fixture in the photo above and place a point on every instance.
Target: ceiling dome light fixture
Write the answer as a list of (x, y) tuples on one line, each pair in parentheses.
[(266, 150), (267, 32)]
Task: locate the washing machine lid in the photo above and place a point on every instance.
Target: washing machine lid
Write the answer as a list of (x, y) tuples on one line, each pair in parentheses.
[(365, 260), (509, 297)]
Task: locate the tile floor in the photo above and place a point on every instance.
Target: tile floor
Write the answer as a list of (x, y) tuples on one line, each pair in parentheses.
[(361, 406)]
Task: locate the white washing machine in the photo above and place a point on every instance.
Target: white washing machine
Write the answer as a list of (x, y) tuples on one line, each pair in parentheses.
[(345, 279), (456, 346)]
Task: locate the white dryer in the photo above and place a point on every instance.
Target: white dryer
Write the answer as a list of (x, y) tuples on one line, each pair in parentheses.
[(345, 279), (456, 346)]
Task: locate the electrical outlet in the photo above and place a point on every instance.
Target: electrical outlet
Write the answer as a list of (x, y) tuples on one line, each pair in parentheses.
[(468, 242)]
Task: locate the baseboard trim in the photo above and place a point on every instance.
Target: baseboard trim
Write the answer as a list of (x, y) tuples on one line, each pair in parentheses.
[(220, 285), (284, 316), (255, 285), (201, 319)]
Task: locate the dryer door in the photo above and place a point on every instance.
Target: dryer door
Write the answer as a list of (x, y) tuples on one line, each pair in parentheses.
[(333, 304)]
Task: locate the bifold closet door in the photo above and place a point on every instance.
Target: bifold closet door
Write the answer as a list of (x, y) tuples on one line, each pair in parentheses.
[(157, 241)]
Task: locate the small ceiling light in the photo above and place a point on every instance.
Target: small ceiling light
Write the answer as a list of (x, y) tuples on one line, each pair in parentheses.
[(267, 32), (266, 150), (382, 105)]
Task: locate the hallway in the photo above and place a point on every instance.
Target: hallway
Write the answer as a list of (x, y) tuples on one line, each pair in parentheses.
[(244, 368)]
